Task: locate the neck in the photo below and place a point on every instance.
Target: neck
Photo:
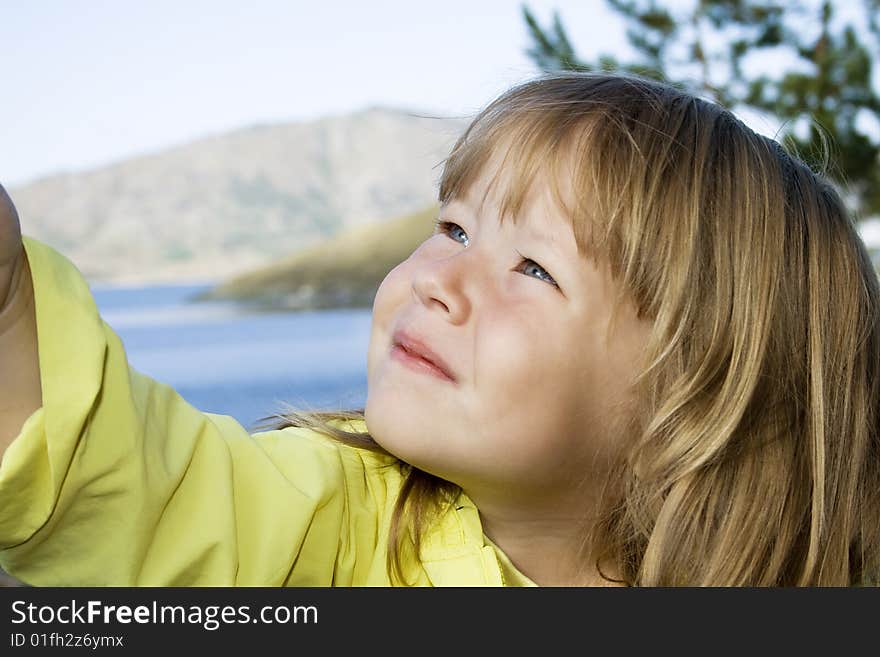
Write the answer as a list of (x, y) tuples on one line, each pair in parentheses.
[(544, 542)]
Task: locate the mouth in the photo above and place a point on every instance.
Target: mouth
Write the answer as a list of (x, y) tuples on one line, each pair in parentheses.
[(415, 353)]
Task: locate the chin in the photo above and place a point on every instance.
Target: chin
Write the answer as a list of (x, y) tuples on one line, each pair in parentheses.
[(384, 422), (400, 434), (387, 426)]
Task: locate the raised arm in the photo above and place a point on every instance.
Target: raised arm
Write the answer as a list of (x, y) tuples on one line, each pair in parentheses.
[(111, 478), (20, 393)]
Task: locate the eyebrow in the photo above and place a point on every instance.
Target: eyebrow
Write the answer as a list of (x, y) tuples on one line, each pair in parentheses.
[(551, 243)]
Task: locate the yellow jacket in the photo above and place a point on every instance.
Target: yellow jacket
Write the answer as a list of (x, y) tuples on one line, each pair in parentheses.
[(118, 481)]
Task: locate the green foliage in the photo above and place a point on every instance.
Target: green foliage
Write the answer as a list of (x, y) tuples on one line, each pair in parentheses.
[(818, 98)]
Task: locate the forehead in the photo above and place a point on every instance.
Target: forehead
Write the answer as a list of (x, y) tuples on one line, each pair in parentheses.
[(539, 202), (519, 169), (539, 217)]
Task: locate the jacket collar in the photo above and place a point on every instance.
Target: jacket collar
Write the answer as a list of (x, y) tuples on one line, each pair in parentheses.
[(454, 552)]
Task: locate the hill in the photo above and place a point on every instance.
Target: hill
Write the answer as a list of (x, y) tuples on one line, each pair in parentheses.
[(343, 272), (227, 204)]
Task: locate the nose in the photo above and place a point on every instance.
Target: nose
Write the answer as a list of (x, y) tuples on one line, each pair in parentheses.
[(441, 285)]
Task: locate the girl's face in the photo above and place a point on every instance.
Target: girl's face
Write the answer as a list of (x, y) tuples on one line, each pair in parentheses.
[(518, 318)]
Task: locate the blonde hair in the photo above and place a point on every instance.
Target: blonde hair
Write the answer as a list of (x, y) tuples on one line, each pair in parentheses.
[(753, 455)]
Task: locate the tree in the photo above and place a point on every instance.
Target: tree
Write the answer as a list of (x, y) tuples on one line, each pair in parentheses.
[(821, 97)]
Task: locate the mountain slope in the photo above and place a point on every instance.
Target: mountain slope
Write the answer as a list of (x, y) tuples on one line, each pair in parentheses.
[(226, 204)]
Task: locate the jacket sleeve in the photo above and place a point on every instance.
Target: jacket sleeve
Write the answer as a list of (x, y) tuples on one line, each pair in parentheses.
[(116, 480)]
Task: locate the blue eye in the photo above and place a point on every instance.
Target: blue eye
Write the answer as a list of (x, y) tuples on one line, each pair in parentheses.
[(544, 275), (450, 229), (447, 227)]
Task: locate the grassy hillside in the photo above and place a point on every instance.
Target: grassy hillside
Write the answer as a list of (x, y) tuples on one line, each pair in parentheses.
[(343, 272)]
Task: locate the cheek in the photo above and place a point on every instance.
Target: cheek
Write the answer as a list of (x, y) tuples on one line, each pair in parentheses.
[(394, 291), (524, 374), (523, 338), (511, 357), (394, 288)]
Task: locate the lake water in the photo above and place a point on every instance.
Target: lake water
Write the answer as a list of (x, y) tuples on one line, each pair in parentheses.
[(222, 360)]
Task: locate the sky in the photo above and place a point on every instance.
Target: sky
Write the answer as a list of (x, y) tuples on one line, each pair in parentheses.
[(88, 83)]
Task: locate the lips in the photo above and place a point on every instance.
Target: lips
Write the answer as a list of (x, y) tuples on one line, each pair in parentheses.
[(418, 347)]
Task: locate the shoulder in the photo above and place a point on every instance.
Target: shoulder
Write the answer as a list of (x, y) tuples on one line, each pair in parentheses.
[(325, 466)]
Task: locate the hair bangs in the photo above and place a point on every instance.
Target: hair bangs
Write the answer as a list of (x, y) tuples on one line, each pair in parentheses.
[(526, 148)]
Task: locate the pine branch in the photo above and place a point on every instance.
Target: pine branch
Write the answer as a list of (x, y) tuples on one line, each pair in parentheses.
[(830, 97)]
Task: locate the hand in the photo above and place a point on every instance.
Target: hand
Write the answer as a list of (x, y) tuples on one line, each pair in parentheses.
[(20, 387), (12, 258)]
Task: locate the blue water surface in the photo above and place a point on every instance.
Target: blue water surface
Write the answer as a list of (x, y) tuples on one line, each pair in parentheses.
[(223, 360)]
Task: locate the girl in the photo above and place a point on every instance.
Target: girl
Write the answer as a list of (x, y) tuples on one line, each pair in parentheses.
[(642, 347)]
